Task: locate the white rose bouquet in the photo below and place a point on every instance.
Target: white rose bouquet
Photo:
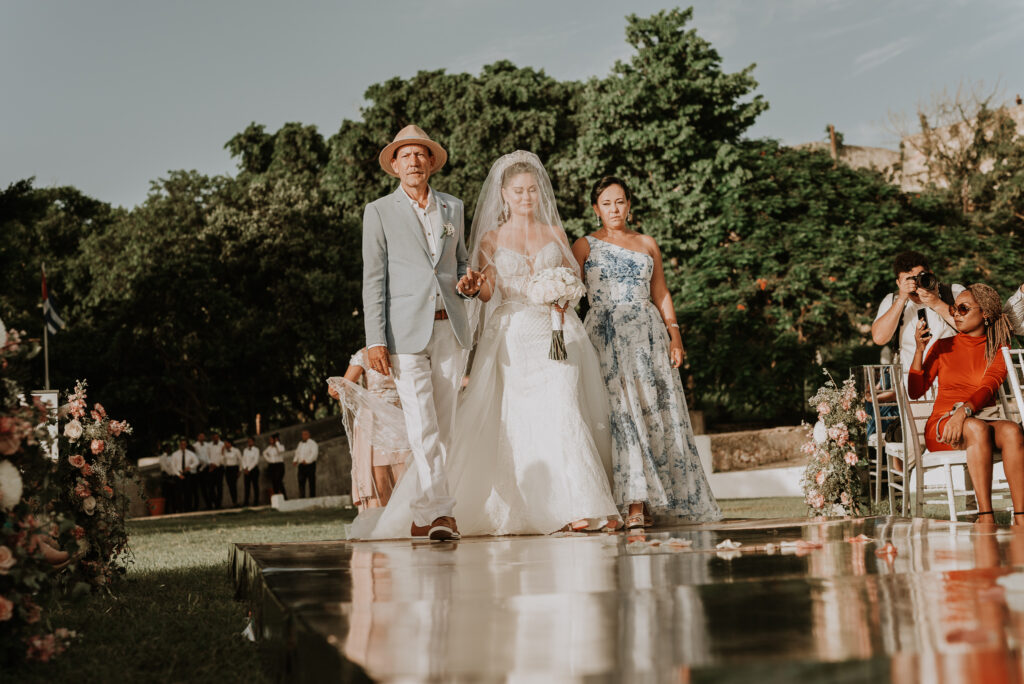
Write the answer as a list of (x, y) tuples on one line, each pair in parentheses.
[(553, 286)]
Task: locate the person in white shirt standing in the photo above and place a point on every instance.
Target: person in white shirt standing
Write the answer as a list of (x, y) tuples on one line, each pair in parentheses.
[(913, 299), (215, 472), (168, 482), (201, 486), (251, 468), (275, 465), (182, 464), (232, 460), (305, 457)]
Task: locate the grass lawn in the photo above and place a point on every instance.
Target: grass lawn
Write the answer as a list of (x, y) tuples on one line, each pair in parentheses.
[(174, 618)]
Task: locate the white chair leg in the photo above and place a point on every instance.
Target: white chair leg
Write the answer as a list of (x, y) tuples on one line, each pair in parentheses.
[(950, 499), (879, 455)]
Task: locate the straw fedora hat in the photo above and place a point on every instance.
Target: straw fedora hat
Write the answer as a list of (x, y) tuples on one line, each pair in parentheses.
[(412, 135)]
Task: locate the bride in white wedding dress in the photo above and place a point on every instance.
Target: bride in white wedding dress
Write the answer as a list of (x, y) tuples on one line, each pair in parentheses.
[(531, 449)]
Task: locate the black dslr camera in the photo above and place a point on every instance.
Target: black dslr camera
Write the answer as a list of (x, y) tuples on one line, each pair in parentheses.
[(926, 281)]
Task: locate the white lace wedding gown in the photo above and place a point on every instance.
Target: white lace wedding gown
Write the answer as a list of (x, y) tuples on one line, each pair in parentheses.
[(532, 445)]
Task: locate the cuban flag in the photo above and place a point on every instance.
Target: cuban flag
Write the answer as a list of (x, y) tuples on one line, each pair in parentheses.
[(53, 320)]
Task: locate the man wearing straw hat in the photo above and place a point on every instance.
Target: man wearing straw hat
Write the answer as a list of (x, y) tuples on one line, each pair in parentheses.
[(416, 277)]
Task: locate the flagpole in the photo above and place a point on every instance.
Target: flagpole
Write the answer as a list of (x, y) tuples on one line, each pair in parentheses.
[(46, 356), (46, 338)]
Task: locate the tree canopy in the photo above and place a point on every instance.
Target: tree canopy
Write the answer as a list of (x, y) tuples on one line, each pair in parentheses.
[(223, 297)]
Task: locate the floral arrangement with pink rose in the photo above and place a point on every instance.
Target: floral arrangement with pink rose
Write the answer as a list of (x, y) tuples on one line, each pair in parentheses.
[(832, 483), (62, 529)]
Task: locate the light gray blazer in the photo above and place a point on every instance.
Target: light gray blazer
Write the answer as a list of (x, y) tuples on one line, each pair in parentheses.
[(400, 278)]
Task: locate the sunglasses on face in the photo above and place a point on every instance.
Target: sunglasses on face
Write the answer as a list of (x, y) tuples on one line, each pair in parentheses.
[(961, 309)]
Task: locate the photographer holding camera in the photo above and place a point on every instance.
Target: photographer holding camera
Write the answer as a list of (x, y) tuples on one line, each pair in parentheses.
[(920, 301)]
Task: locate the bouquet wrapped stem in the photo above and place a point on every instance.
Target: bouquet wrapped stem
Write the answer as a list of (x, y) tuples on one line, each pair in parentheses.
[(557, 352), (556, 287)]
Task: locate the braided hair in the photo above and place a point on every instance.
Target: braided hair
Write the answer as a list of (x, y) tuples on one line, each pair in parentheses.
[(997, 325)]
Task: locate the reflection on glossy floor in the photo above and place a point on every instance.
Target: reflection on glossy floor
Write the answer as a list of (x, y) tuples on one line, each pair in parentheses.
[(603, 608)]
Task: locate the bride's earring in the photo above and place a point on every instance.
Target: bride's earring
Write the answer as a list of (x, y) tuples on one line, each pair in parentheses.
[(505, 212)]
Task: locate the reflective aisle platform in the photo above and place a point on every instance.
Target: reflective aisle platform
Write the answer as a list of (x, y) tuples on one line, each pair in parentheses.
[(799, 600)]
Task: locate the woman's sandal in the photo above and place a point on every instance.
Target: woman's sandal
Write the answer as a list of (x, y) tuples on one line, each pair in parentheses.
[(648, 518), (635, 521)]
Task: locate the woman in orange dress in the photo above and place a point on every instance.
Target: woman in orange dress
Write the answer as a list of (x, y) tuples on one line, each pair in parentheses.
[(970, 369)]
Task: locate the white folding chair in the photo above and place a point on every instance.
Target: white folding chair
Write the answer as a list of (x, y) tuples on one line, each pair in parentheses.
[(916, 460), (1014, 359), (878, 378)]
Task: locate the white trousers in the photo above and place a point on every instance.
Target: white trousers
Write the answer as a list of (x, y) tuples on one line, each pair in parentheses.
[(428, 385)]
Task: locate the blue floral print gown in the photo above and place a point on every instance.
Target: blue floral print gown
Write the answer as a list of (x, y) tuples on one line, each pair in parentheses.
[(654, 456)]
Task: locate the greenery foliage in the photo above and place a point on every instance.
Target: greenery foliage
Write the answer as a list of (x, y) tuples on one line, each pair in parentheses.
[(220, 298)]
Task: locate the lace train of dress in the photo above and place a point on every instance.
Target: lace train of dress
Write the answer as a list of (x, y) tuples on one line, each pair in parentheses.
[(532, 445)]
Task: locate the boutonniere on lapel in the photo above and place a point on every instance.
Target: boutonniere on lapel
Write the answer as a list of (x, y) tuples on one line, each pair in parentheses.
[(447, 230)]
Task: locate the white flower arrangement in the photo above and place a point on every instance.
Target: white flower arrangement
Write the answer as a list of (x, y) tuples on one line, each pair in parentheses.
[(556, 286), (10, 485), (447, 230)]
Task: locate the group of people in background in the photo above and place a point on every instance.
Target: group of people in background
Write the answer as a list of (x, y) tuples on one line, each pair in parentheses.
[(947, 340), (194, 476)]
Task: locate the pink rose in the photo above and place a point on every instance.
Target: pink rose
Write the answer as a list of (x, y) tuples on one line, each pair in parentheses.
[(77, 460), (845, 404), (6, 609), (97, 446), (7, 560), (78, 532), (41, 648), (86, 469), (823, 409), (862, 415), (816, 500), (73, 430), (839, 434), (116, 427), (850, 458), (108, 491), (820, 478), (82, 490)]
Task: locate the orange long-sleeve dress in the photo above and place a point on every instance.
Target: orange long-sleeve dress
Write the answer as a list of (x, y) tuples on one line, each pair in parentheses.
[(964, 375)]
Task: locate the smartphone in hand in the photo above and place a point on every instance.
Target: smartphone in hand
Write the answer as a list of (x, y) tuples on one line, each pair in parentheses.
[(922, 315)]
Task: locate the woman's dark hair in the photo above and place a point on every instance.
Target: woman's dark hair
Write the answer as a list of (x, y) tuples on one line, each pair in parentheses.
[(907, 261), (515, 169), (607, 182)]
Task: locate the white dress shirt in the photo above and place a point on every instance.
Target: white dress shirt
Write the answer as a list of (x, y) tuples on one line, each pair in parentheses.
[(272, 454), (165, 463), (202, 452), (908, 342), (430, 222), (250, 458), (306, 452), (232, 456), (188, 459), (216, 453)]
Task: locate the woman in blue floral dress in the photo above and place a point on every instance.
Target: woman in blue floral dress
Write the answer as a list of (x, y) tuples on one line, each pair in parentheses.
[(656, 469)]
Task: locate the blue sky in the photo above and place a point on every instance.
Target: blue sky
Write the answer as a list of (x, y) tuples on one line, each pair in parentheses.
[(109, 95)]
